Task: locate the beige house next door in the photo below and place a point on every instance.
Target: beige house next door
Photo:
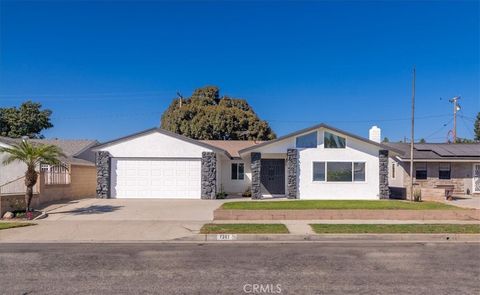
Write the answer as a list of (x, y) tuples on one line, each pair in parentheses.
[(476, 178)]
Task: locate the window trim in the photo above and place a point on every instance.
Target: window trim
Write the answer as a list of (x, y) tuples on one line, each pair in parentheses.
[(339, 182), (324, 171), (338, 148), (238, 171)]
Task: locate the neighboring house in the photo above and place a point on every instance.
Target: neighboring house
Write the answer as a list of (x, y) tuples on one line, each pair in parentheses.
[(437, 166), (320, 162), (74, 178)]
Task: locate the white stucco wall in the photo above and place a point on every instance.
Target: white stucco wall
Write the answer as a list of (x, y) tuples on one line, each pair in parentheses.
[(155, 145), (355, 151), (12, 171), (235, 186)]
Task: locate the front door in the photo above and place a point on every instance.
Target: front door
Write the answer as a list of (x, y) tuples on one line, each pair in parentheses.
[(476, 178), (272, 175)]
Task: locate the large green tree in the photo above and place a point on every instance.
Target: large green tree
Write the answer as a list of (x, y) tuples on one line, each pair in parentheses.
[(477, 127), (206, 115), (27, 120)]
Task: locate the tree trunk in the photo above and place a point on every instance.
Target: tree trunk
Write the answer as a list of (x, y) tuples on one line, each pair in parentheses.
[(28, 198), (30, 181)]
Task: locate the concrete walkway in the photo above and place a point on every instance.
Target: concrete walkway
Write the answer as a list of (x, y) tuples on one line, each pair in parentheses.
[(465, 202)]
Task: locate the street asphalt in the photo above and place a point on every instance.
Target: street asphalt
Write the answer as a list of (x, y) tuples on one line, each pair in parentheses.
[(241, 268)]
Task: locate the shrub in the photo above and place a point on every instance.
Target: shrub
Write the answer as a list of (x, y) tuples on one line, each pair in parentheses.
[(417, 195), (247, 193), (221, 194)]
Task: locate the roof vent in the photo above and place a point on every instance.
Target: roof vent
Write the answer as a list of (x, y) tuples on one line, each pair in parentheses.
[(375, 134)]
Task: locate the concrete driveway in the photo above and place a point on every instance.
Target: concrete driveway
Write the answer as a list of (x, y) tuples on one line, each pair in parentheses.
[(134, 210), (95, 220)]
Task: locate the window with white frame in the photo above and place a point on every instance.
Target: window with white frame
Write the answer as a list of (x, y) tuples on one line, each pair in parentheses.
[(58, 174), (444, 171), (318, 171), (332, 141), (339, 171), (358, 171), (238, 171), (307, 141)]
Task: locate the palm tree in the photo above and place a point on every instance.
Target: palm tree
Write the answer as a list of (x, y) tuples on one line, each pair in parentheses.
[(32, 155)]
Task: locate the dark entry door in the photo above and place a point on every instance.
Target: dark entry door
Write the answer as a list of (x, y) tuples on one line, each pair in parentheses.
[(272, 174)]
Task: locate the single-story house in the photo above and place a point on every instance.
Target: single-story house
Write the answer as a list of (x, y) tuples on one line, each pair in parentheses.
[(75, 178), (437, 166), (320, 162)]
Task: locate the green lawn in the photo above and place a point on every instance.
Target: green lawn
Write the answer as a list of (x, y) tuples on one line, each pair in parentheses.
[(334, 204), (396, 228), (6, 225), (244, 228)]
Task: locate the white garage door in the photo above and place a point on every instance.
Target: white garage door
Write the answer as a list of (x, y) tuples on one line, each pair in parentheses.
[(157, 178)]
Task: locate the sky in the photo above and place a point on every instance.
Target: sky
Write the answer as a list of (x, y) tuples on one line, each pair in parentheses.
[(110, 68)]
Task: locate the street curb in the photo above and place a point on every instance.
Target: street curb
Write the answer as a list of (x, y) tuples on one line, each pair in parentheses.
[(292, 239), (369, 238)]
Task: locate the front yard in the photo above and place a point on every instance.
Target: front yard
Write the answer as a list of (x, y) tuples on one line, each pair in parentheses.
[(247, 228), (7, 225), (396, 228), (336, 205)]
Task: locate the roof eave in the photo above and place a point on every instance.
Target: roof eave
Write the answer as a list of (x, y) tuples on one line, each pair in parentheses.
[(162, 131), (321, 125)]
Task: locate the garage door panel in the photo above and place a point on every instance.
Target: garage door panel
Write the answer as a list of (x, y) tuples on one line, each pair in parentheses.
[(158, 178)]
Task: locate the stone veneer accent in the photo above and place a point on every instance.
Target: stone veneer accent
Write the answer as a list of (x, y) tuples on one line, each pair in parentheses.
[(103, 163), (209, 175), (292, 168), (256, 165), (383, 174)]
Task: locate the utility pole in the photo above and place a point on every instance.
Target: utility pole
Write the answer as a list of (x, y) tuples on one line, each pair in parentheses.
[(180, 98), (412, 139), (456, 108)]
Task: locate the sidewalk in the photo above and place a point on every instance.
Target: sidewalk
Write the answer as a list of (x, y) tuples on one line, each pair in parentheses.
[(100, 231)]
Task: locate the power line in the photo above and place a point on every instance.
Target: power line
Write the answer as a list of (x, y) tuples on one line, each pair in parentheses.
[(89, 94), (360, 121), (438, 130)]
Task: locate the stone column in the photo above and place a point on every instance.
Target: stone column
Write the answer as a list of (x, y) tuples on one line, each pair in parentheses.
[(292, 169), (103, 163), (209, 175), (256, 165), (383, 174)]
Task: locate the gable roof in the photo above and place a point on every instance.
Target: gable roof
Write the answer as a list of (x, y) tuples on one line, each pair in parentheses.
[(232, 146), (439, 151), (165, 132), (322, 125), (70, 147)]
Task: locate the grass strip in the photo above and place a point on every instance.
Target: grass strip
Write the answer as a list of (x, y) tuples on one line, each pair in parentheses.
[(7, 225), (396, 228), (337, 205), (244, 228)]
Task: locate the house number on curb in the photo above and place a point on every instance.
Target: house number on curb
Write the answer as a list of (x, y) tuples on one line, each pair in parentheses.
[(226, 237)]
